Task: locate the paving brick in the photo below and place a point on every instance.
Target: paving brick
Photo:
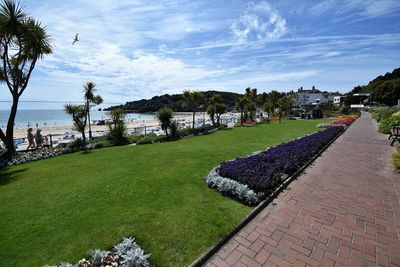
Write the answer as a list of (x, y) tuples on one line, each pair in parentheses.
[(317, 254), (257, 245), (233, 257), (309, 244), (249, 261), (383, 260), (262, 256), (343, 211), (290, 255)]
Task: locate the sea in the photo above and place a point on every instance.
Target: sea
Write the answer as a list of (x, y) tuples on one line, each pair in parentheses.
[(41, 113)]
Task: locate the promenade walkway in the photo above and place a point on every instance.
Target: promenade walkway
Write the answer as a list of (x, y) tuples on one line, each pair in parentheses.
[(344, 211)]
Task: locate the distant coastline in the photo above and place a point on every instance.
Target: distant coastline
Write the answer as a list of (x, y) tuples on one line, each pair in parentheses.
[(38, 118)]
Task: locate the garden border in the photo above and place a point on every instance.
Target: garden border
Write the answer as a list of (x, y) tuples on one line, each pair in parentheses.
[(210, 252)]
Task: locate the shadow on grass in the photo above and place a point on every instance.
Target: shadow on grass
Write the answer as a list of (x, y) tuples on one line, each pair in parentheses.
[(85, 152), (7, 176)]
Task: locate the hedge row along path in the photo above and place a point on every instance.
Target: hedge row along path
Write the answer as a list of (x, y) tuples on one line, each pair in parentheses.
[(344, 211)]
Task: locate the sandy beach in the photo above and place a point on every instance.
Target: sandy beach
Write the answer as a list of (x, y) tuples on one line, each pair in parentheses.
[(58, 132)]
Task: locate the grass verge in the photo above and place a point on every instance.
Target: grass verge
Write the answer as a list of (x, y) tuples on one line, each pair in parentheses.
[(58, 209)]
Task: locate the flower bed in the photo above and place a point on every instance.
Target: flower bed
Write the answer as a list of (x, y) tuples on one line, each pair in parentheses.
[(127, 253), (39, 154), (346, 121), (351, 116), (264, 171)]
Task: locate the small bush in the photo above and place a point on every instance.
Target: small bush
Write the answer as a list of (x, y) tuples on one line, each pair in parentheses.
[(147, 139), (385, 125), (134, 138), (77, 143), (62, 145), (396, 160), (174, 130), (99, 145)]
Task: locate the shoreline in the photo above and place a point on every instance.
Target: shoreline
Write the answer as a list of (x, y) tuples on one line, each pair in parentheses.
[(136, 126)]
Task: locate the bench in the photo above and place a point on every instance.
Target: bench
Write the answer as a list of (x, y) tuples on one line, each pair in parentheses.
[(394, 135)]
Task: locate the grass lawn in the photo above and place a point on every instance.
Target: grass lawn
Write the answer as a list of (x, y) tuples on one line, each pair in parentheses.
[(58, 209)]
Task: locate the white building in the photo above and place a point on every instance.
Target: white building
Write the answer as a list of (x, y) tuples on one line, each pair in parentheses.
[(314, 97)]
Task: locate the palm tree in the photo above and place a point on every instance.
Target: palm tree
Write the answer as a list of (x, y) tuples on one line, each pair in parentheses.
[(241, 104), (23, 41), (220, 109), (215, 109), (251, 110), (90, 100), (211, 109), (79, 117), (117, 128), (211, 113), (164, 115), (193, 99)]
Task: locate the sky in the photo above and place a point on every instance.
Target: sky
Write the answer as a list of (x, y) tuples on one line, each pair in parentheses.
[(135, 49)]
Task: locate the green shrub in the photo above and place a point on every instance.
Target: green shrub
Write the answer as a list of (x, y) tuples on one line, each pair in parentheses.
[(77, 143), (382, 113), (396, 160), (134, 138), (174, 130), (99, 145), (61, 145), (385, 125), (147, 139)]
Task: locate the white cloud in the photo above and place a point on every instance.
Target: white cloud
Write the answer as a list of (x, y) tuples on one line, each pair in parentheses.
[(355, 8), (259, 22), (137, 75)]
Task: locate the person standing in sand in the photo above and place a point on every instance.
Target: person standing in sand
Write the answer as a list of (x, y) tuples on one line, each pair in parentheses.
[(39, 138), (30, 137)]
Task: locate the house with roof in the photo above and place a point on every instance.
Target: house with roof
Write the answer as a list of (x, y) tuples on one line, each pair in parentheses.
[(310, 98)]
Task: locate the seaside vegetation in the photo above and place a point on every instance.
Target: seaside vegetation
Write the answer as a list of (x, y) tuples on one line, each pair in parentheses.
[(117, 128), (396, 160), (175, 102), (91, 100), (57, 209), (384, 90), (164, 116), (194, 100), (23, 41)]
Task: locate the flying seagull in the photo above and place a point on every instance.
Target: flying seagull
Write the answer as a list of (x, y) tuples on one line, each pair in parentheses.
[(76, 39)]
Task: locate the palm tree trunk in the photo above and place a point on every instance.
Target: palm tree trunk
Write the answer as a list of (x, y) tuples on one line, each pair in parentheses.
[(88, 114), (194, 115), (84, 137), (9, 140)]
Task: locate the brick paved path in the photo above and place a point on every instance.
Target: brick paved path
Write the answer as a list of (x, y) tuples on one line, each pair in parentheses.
[(345, 211)]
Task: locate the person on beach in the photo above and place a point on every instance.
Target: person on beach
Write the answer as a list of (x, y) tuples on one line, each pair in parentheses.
[(39, 138), (30, 137)]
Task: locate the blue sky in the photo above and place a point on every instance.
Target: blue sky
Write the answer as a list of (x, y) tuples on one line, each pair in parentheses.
[(138, 49)]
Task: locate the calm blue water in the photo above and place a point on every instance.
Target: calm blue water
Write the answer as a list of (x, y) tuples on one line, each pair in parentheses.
[(51, 117)]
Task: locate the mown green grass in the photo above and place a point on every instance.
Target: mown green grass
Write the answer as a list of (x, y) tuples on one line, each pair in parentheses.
[(58, 209)]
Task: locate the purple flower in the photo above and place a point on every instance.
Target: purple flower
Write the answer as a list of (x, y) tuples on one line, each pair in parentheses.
[(258, 171)]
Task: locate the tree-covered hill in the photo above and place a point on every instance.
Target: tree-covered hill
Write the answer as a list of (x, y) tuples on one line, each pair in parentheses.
[(384, 89), (175, 102)]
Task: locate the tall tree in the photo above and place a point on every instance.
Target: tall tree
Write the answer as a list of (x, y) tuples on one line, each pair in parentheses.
[(271, 104), (164, 115), (90, 100), (23, 41), (211, 113), (79, 117), (194, 99), (116, 127), (220, 109), (285, 104), (241, 104), (215, 109)]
